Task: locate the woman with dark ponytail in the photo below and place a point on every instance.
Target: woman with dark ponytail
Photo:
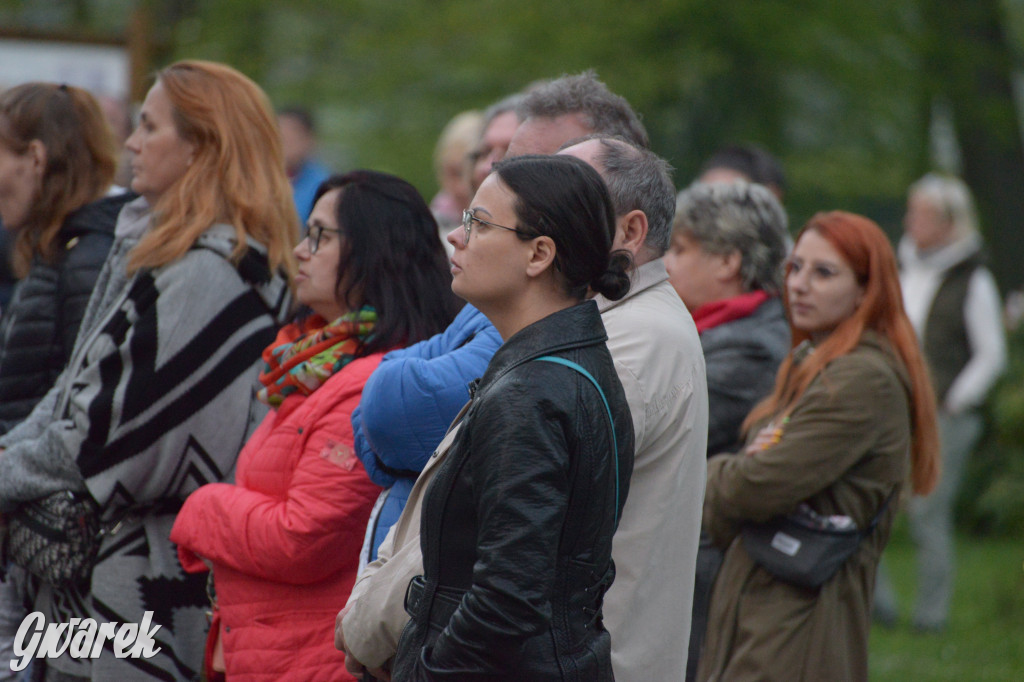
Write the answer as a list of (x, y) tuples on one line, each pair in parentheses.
[(518, 521)]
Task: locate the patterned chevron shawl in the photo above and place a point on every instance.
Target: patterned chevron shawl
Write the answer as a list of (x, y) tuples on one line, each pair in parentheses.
[(157, 401)]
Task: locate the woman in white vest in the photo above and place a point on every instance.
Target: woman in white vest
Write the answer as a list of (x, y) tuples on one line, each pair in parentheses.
[(952, 301)]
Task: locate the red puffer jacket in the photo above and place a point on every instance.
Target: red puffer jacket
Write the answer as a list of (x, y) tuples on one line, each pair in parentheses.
[(285, 539)]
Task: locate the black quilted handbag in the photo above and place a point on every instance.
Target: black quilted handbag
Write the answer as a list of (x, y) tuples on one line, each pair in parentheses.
[(56, 537)]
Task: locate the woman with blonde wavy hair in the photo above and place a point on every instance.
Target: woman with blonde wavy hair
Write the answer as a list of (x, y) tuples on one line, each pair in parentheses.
[(157, 397), (850, 422)]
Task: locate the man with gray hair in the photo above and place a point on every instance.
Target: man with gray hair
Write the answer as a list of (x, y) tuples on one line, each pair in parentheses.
[(658, 359), (573, 107), (725, 261)]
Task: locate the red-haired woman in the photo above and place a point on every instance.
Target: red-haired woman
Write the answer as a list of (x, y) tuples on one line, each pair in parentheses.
[(851, 413)]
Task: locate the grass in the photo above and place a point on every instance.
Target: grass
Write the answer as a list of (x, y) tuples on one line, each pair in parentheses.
[(984, 641)]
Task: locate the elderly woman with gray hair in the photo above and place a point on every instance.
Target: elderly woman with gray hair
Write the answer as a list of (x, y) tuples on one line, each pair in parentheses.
[(725, 261)]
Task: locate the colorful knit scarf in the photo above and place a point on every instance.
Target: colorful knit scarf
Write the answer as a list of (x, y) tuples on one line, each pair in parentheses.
[(303, 357)]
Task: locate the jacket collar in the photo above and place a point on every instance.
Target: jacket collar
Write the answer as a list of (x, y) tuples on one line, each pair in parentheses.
[(939, 259), (869, 338), (97, 216), (576, 326), (641, 279), (872, 339), (133, 221)]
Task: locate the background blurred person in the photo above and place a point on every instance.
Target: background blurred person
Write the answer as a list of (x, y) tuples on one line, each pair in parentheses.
[(851, 413), (298, 138), (745, 162), (118, 113), (156, 399), (725, 261), (284, 540), (452, 170), (57, 162), (519, 520), (499, 125), (953, 303)]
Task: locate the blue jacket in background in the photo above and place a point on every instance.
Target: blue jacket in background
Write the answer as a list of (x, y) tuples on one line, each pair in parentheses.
[(304, 186), (408, 405)]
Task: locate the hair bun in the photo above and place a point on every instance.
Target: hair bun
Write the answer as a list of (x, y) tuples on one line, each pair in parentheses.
[(614, 282)]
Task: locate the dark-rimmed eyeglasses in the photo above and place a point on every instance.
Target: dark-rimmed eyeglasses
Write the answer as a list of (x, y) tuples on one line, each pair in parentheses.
[(469, 217), (312, 234)]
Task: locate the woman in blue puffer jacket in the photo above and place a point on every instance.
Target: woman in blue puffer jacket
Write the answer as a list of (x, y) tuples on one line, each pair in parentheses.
[(408, 404)]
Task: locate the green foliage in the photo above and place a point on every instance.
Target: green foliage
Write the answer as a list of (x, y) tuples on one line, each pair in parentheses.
[(992, 497), (1008, 411), (982, 642), (801, 78), (839, 91)]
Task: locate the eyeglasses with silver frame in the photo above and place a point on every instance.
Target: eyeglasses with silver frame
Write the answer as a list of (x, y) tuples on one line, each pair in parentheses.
[(469, 217)]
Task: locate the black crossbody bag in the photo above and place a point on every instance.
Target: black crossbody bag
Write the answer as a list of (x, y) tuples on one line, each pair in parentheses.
[(796, 548)]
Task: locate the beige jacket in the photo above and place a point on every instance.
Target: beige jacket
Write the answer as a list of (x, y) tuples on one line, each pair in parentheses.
[(659, 360), (376, 608)]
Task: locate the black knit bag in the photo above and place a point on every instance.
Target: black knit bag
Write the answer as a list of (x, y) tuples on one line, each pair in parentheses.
[(56, 537)]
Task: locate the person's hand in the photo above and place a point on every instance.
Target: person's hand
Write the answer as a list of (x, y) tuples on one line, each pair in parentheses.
[(339, 634), (358, 670), (768, 436), (354, 667), (380, 674), (352, 664)]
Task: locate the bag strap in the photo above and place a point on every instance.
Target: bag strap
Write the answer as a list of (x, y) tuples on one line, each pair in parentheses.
[(878, 516), (611, 421)]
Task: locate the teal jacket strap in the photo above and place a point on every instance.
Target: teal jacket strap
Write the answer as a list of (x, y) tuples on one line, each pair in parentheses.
[(611, 421)]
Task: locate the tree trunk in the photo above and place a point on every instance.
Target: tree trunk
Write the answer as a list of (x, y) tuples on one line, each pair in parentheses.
[(968, 63)]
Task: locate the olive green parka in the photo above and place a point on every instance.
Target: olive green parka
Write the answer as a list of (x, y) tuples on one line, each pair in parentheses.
[(844, 449)]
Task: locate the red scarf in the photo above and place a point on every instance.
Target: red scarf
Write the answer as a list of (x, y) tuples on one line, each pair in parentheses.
[(712, 314)]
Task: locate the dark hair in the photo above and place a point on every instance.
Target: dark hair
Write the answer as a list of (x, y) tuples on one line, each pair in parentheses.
[(394, 260), (564, 198), (755, 163), (604, 111)]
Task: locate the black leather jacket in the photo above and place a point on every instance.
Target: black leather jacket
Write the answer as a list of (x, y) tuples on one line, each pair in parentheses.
[(39, 326), (518, 523)]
